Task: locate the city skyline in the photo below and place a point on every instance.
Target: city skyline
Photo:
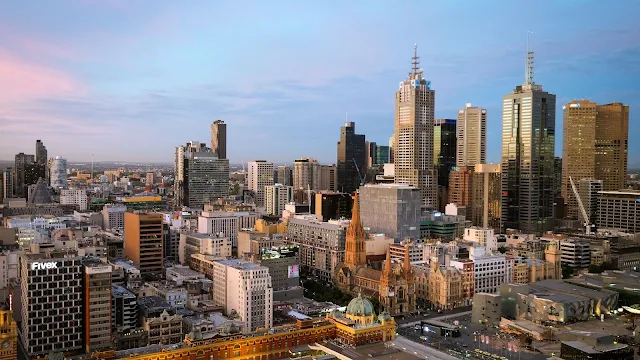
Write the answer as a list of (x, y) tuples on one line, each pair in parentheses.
[(113, 71)]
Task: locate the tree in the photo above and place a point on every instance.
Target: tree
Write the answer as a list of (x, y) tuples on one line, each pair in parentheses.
[(503, 249), (376, 304), (235, 189), (567, 271)]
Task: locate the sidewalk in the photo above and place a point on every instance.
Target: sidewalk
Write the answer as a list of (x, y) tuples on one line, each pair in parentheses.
[(423, 351), (439, 318)]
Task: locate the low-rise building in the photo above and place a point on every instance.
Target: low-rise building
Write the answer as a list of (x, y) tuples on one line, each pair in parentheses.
[(165, 329)]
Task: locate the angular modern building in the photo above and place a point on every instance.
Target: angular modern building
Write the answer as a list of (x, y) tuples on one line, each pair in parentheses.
[(219, 139), (352, 162), (413, 143), (472, 136), (58, 173), (444, 148), (391, 209), (528, 139)]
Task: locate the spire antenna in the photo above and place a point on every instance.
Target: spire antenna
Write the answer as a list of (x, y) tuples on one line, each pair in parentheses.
[(529, 63), (415, 61)]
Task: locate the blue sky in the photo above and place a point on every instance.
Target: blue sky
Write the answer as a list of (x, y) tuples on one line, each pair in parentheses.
[(130, 80)]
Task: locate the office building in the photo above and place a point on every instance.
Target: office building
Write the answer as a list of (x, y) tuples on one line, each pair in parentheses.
[(392, 145), (7, 183), (460, 186), (391, 209), (259, 175), (245, 288), (472, 136), (595, 146), (97, 311), (8, 336), (413, 144), (41, 153), (143, 242), (371, 149), (276, 197), (124, 308), (485, 196), (489, 270), (619, 210), (284, 268), (328, 178), (227, 223), (444, 148), (528, 139), (284, 175), (576, 253), (589, 192), (113, 216), (51, 296), (200, 175), (352, 162), (306, 174), (382, 155), (333, 205), (219, 139), (74, 197), (58, 173), (21, 162)]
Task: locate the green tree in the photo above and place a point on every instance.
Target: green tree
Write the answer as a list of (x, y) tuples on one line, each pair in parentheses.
[(567, 271), (503, 249), (235, 189)]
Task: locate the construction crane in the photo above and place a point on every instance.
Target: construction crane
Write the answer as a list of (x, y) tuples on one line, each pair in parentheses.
[(362, 179), (587, 224)]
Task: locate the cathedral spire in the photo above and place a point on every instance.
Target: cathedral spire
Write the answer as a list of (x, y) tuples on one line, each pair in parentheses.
[(355, 227), (355, 245)]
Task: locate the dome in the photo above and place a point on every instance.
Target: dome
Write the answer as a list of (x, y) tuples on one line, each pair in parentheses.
[(360, 307)]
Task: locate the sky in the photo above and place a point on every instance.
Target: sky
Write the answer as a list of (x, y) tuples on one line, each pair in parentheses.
[(130, 80)]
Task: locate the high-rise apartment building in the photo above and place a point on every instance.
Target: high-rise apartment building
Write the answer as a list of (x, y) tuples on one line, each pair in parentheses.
[(77, 197), (460, 186), (285, 175), (306, 174), (413, 145), (97, 311), (444, 148), (472, 136), (200, 175), (143, 242), (7, 183), (58, 173), (259, 175), (485, 196), (276, 197), (595, 145), (219, 139), (528, 139), (352, 158)]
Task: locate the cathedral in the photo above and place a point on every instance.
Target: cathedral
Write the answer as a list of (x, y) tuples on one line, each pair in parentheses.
[(394, 285)]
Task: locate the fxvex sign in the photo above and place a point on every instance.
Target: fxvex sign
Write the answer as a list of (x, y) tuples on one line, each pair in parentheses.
[(44, 265)]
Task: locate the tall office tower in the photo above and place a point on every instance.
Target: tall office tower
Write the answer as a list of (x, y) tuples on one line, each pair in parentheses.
[(306, 174), (219, 139), (588, 190), (413, 151), (382, 155), (472, 136), (285, 175), (460, 186), (8, 336), (276, 197), (58, 173), (143, 242), (371, 149), (200, 176), (328, 178), (41, 153), (595, 145), (352, 162), (7, 183), (259, 175), (51, 298), (97, 312), (21, 162), (392, 145), (485, 196), (181, 163), (444, 148), (528, 138)]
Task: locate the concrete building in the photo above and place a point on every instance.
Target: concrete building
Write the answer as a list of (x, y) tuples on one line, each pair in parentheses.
[(595, 146), (576, 253), (58, 173), (333, 205), (413, 142), (322, 244), (124, 308), (528, 140), (227, 223), (259, 175), (490, 270), (215, 245), (619, 210), (485, 196), (113, 216), (284, 268), (143, 242), (487, 309), (285, 175), (251, 242), (74, 197), (472, 136), (328, 178), (352, 162), (484, 237), (219, 139), (391, 209), (306, 174), (436, 225), (246, 289), (97, 311), (444, 148), (207, 179), (165, 329), (276, 197)]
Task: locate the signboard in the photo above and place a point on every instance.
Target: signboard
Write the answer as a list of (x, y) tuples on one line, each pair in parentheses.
[(293, 271), (44, 265)]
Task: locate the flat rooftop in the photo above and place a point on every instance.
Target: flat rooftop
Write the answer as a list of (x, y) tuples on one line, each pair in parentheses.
[(185, 271), (241, 264), (569, 288)]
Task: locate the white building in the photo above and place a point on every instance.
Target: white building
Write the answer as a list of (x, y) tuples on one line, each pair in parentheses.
[(33, 228), (277, 197), (74, 197), (113, 216), (489, 270), (244, 288), (259, 174), (226, 222), (472, 136), (576, 253), (58, 173), (483, 236)]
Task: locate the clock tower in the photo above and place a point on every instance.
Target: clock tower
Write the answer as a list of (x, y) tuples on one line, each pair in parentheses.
[(8, 336)]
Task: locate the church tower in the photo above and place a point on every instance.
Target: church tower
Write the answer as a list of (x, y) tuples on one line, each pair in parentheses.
[(355, 247), (553, 254)]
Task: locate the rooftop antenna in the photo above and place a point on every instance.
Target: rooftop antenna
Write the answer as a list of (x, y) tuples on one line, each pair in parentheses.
[(529, 63), (415, 61)]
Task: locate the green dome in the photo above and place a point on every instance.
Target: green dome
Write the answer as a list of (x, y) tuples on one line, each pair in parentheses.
[(360, 307)]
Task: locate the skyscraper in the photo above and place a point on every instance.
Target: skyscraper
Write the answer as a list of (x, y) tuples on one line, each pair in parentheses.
[(352, 163), (41, 153), (201, 177), (472, 136), (444, 148), (58, 172), (22, 160), (284, 175), (485, 196), (372, 153), (219, 139), (7, 183), (528, 138), (595, 145), (259, 175), (306, 174), (413, 143)]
